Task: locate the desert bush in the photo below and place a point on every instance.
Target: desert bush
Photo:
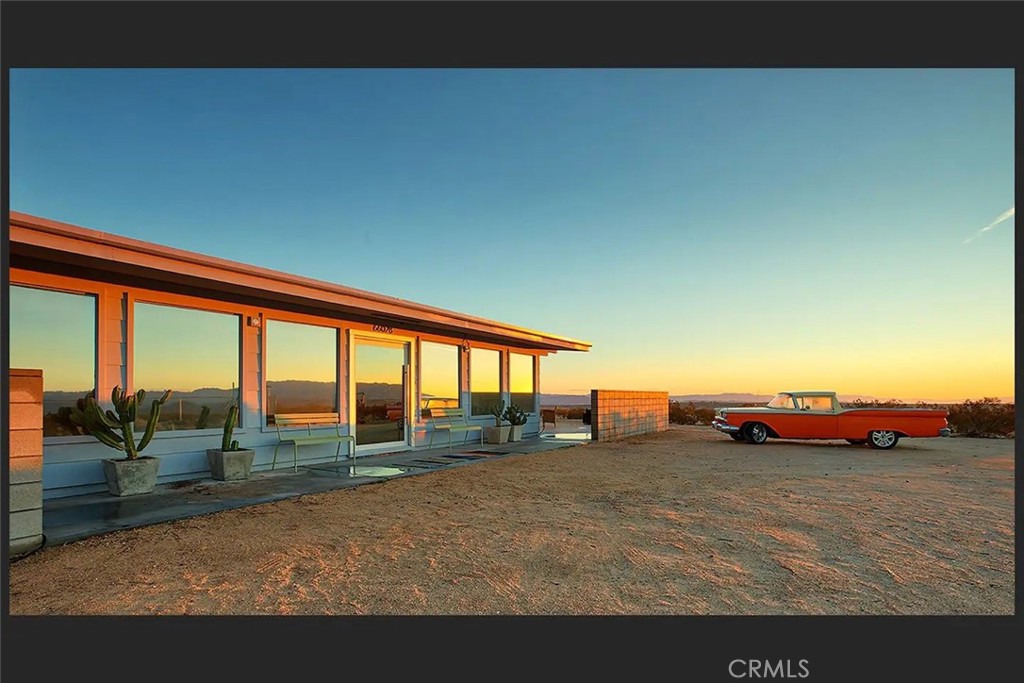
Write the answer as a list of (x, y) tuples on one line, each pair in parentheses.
[(571, 413), (987, 417), (689, 414), (861, 403)]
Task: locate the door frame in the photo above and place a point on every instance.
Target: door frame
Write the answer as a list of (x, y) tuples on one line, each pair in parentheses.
[(353, 338)]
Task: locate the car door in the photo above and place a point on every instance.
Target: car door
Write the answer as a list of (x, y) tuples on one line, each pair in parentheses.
[(817, 419)]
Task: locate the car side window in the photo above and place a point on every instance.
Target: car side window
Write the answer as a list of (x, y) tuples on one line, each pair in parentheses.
[(818, 403)]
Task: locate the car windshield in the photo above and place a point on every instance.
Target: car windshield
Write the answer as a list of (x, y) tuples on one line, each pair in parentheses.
[(781, 401)]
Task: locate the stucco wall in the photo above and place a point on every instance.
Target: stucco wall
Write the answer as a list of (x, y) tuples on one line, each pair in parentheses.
[(26, 461), (617, 414)]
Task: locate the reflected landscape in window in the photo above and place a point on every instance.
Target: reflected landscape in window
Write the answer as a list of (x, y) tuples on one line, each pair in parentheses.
[(521, 389), (302, 368), (193, 353), (55, 332), (380, 403), (484, 380), (439, 377)]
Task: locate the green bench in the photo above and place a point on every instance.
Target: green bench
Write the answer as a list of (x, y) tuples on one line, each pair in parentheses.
[(452, 420), (310, 421)]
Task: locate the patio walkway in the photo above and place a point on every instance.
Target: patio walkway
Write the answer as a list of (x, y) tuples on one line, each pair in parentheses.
[(77, 517)]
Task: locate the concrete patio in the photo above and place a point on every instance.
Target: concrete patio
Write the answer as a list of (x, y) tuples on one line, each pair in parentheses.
[(73, 518)]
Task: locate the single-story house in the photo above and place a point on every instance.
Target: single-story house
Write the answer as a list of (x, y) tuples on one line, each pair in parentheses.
[(94, 310)]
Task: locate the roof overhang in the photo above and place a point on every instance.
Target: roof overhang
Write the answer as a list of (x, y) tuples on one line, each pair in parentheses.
[(42, 244)]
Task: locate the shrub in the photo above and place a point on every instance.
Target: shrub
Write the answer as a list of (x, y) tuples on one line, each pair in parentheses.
[(689, 414), (573, 413), (987, 417)]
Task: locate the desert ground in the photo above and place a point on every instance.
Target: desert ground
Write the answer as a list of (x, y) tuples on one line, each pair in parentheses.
[(681, 522)]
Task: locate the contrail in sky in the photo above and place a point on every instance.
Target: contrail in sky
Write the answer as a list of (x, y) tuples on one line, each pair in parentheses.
[(1002, 217)]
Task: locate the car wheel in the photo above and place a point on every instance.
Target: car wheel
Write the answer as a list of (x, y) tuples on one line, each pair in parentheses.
[(756, 433), (857, 442), (883, 439), (738, 437)]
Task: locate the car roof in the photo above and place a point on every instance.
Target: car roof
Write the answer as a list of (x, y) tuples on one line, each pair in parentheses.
[(808, 393)]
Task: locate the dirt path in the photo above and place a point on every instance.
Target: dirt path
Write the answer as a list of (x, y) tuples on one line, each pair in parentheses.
[(682, 522)]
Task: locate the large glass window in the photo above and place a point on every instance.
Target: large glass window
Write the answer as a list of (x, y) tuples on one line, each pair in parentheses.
[(439, 377), (302, 369), (521, 389), (484, 380), (56, 333), (193, 353)]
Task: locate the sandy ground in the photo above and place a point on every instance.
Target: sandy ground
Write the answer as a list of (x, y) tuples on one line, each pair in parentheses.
[(682, 522)]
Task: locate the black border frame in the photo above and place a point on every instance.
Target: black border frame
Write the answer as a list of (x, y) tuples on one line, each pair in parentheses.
[(507, 35)]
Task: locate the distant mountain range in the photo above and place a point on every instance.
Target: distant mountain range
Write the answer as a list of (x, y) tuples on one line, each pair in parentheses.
[(584, 399), (292, 390)]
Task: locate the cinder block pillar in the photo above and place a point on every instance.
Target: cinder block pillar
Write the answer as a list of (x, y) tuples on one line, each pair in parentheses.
[(26, 461)]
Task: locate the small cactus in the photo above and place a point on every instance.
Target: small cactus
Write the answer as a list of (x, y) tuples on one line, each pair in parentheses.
[(516, 415), (204, 418), (117, 429), (226, 443), (498, 411)]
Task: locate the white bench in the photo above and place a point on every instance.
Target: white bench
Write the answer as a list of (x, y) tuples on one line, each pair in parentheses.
[(452, 420), (310, 420)]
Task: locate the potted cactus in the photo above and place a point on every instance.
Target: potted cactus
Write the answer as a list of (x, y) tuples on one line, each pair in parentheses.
[(516, 417), (499, 432), (134, 474), (230, 462)]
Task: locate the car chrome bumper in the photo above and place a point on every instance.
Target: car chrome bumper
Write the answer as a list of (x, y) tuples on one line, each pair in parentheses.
[(945, 431), (723, 426)]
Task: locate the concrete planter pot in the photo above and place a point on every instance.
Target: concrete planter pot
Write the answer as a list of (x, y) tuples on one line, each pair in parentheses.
[(230, 465), (131, 477), (497, 434), (516, 433)]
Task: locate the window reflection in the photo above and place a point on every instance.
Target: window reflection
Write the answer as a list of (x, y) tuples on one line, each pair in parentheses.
[(55, 332), (193, 353), (302, 368), (484, 380), (521, 389), (439, 376), (380, 394)]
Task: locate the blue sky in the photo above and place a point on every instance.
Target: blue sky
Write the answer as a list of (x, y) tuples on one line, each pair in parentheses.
[(707, 230)]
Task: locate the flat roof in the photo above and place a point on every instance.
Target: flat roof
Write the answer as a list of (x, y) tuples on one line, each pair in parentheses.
[(42, 244)]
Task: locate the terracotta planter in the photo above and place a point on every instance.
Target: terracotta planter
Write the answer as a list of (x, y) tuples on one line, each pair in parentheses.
[(230, 465), (131, 477), (497, 434)]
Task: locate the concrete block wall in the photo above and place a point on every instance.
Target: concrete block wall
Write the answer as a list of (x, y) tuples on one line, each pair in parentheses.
[(26, 461), (618, 414)]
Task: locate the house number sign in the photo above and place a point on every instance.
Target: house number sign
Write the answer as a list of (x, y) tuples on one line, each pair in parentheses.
[(384, 328)]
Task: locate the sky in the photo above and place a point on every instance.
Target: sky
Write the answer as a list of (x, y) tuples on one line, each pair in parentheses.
[(708, 231)]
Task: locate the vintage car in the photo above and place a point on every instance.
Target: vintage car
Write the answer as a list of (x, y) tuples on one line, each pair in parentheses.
[(818, 415)]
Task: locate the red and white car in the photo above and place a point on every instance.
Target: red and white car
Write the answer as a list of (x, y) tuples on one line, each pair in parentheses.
[(818, 415)]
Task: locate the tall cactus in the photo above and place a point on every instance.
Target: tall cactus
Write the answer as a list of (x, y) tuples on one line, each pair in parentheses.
[(117, 429), (229, 426)]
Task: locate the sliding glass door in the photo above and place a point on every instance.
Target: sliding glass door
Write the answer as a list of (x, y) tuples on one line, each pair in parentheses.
[(380, 398)]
